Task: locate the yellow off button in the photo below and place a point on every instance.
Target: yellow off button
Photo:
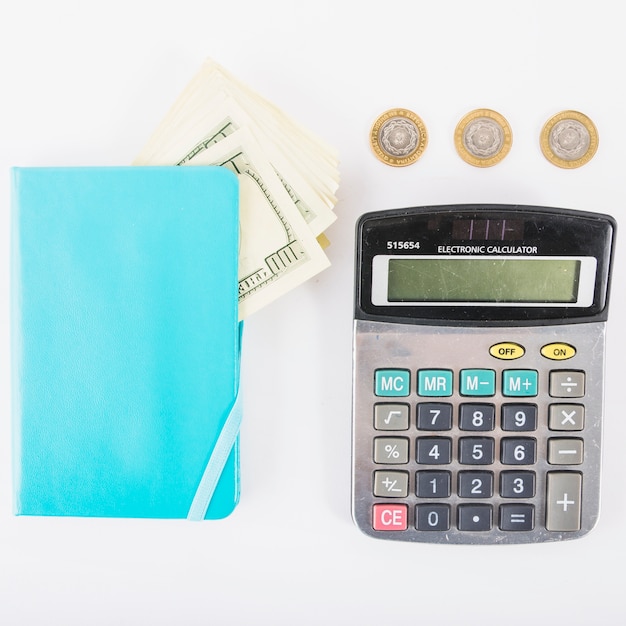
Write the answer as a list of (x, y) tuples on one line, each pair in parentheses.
[(558, 351), (507, 350)]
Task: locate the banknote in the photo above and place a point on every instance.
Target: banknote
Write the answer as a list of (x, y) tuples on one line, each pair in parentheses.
[(277, 250), (226, 117), (288, 178), (213, 106)]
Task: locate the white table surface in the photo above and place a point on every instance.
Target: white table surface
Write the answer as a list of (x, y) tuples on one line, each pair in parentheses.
[(86, 84)]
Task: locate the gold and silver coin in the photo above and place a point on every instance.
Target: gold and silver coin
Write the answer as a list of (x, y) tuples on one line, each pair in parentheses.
[(569, 139), (398, 137), (483, 138)]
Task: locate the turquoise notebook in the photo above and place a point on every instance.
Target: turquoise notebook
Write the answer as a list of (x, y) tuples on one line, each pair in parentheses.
[(126, 341)]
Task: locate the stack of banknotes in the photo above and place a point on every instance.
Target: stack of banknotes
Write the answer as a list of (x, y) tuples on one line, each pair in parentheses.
[(287, 178)]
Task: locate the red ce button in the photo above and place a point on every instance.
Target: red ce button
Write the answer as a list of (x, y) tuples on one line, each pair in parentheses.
[(390, 517)]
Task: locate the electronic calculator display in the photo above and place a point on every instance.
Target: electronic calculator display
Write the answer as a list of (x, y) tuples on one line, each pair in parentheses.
[(478, 372), (492, 280)]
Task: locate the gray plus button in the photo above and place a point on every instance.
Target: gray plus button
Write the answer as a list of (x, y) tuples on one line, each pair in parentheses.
[(564, 492)]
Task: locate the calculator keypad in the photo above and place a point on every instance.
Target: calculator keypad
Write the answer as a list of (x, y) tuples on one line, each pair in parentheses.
[(484, 449)]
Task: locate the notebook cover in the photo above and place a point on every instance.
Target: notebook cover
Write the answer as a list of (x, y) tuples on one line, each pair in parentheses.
[(125, 338)]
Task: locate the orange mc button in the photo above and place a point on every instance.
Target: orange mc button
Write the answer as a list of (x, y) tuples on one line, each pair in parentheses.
[(507, 350)]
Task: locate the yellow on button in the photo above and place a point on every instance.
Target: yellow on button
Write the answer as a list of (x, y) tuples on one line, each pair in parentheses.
[(558, 351), (507, 350)]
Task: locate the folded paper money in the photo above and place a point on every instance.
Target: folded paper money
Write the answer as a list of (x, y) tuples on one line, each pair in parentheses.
[(126, 342), (287, 178)]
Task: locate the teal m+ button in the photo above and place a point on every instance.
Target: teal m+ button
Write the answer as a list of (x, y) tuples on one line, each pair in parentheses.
[(392, 383), (519, 383), (434, 383)]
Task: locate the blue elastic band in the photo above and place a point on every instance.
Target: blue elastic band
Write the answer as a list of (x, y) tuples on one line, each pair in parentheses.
[(216, 463)]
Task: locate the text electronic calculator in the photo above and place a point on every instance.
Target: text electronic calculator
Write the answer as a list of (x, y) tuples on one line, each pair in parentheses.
[(478, 372)]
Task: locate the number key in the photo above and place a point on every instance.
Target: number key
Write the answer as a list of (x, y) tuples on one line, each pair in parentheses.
[(434, 450), (476, 450), (434, 416), (518, 451), (432, 484), (519, 417), (432, 517), (477, 417), (475, 484), (517, 484)]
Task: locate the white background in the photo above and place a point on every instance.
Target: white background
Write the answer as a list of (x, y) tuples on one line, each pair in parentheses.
[(86, 83)]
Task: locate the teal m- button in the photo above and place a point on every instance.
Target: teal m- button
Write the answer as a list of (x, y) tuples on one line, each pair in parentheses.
[(478, 382), (392, 383)]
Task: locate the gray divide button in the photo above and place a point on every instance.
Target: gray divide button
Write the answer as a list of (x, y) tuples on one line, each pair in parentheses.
[(564, 493), (567, 384)]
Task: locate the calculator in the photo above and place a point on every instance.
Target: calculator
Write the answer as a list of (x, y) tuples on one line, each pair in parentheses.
[(478, 362)]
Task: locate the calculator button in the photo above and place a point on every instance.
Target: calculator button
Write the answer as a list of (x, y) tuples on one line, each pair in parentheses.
[(519, 383), (566, 417), (390, 517), (558, 351), (392, 383), (434, 450), (474, 516), (391, 484), (565, 451), (434, 416), (434, 383), (478, 382), (507, 351), (519, 417), (518, 451), (517, 484), (517, 517), (432, 517), (477, 416), (391, 450), (391, 416), (433, 484), (475, 484), (567, 384), (476, 450), (564, 490)]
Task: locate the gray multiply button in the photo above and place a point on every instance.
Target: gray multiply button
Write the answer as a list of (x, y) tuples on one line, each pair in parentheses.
[(564, 490), (566, 417), (567, 384)]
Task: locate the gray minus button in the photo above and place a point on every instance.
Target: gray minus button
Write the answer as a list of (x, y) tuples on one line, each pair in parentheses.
[(564, 491), (565, 451)]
